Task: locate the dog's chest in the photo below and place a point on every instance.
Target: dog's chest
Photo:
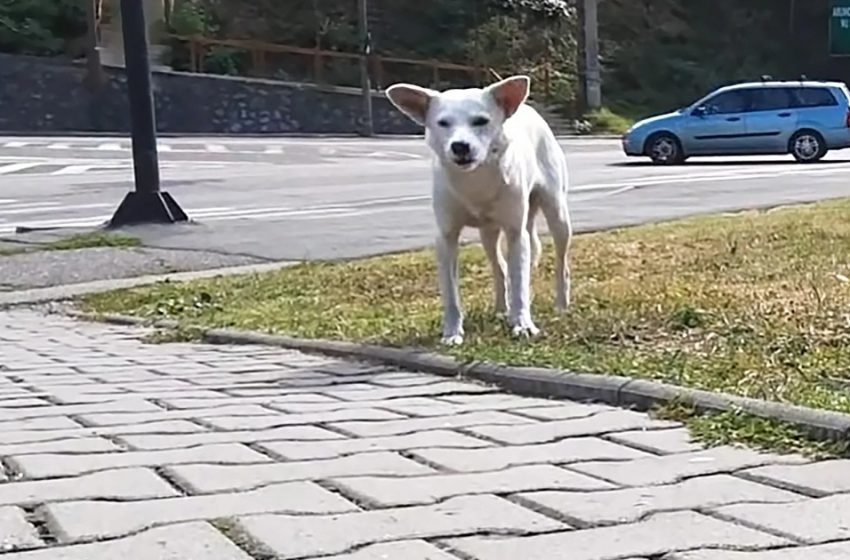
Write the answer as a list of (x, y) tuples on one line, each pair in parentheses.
[(479, 192)]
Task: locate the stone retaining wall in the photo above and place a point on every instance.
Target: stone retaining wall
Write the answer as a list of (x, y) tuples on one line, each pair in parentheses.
[(45, 96)]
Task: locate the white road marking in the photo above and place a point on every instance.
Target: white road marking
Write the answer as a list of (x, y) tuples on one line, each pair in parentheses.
[(16, 144), (6, 211), (729, 175), (74, 170), (216, 148), (88, 221), (14, 167), (110, 147)]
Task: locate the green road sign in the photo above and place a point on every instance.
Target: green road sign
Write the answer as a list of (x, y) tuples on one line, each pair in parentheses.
[(839, 28)]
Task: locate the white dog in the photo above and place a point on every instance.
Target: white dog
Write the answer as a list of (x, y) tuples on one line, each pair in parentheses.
[(497, 163)]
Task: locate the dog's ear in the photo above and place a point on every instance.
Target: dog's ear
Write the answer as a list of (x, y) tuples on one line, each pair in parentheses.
[(411, 100), (510, 93)]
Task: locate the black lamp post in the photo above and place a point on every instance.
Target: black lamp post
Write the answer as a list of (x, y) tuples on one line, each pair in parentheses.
[(147, 203)]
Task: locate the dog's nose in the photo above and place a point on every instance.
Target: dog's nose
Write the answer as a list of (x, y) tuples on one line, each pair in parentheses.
[(460, 149)]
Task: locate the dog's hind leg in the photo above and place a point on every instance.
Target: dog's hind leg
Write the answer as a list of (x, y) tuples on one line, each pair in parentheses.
[(558, 219), (531, 227), (490, 236)]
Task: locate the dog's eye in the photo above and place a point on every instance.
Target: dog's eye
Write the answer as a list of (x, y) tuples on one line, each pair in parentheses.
[(444, 123), (480, 121)]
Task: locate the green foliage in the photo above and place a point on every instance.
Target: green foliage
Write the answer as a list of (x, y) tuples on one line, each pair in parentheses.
[(224, 60), (191, 18), (603, 121), (664, 54), (656, 55), (505, 44), (40, 27)]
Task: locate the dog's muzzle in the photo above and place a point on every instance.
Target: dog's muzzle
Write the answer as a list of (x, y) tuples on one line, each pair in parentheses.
[(462, 154)]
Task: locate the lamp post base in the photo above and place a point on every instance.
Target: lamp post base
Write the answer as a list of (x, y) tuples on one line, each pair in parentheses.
[(147, 208)]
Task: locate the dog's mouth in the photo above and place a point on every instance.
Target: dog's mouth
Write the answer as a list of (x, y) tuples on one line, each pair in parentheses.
[(464, 162)]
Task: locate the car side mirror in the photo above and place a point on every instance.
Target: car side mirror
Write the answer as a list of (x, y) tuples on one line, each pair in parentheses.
[(700, 111)]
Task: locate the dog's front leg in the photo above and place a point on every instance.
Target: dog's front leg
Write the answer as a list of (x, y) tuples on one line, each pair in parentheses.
[(519, 272), (447, 250)]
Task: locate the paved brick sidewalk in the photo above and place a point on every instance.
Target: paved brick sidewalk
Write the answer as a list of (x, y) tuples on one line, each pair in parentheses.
[(112, 448)]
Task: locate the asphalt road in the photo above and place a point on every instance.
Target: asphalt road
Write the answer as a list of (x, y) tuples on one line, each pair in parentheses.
[(323, 198)]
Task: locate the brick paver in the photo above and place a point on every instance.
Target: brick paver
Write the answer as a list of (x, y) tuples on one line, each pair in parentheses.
[(627, 505), (190, 541), (833, 551), (16, 531), (815, 479), (407, 550), (111, 448), (654, 536), (811, 521), (77, 521), (302, 537), (51, 465)]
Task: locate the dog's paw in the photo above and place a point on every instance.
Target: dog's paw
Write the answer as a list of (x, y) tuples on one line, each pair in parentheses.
[(524, 327), (525, 331), (452, 340)]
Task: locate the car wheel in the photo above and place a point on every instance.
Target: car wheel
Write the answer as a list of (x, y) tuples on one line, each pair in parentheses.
[(807, 146), (665, 149)]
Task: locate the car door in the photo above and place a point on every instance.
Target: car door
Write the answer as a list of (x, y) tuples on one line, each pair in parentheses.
[(771, 120), (717, 125)]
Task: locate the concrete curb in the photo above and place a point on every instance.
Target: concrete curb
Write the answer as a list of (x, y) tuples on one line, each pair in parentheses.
[(67, 291), (638, 394)]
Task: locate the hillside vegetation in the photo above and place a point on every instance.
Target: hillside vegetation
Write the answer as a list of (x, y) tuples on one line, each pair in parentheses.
[(656, 54)]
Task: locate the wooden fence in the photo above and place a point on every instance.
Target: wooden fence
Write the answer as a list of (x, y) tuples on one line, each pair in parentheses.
[(315, 60)]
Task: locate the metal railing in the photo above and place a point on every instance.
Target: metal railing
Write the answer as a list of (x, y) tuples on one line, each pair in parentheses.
[(260, 52)]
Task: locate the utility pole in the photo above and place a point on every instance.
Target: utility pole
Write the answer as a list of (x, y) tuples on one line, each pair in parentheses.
[(591, 75), (365, 83), (146, 204)]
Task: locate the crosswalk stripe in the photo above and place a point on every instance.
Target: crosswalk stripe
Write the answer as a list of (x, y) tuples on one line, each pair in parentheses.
[(327, 149), (110, 147), (13, 167), (52, 206), (300, 215), (72, 166), (85, 221), (73, 170)]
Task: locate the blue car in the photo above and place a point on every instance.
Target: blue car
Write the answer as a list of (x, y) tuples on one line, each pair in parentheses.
[(802, 118)]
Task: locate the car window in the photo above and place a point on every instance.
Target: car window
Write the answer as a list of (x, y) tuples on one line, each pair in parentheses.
[(770, 99), (734, 101), (813, 97)]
